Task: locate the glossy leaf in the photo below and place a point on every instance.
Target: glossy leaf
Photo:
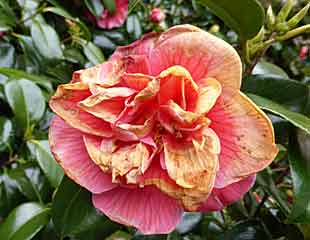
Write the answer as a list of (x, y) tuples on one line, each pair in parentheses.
[(93, 53), (43, 81), (24, 222), (46, 40), (133, 26), (5, 132), (299, 157), (288, 92), (269, 69), (297, 119), (95, 7), (72, 210), (188, 222), (246, 17), (26, 100), (47, 163), (7, 54), (110, 5)]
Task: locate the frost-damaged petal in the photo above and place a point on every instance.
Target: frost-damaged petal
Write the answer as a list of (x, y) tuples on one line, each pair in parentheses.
[(89, 75), (246, 136), (193, 164), (202, 54), (147, 209), (221, 197), (116, 19), (69, 150), (209, 91), (128, 160), (65, 104), (136, 81), (107, 103)]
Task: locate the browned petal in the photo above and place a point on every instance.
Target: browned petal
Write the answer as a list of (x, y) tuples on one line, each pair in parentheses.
[(128, 160), (64, 104), (136, 81), (140, 130), (107, 103), (193, 165)]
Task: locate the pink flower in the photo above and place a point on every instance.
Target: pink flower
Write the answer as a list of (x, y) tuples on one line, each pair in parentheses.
[(2, 34), (303, 52), (161, 128), (108, 20), (157, 15)]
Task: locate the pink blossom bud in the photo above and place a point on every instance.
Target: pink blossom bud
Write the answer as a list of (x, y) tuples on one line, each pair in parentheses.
[(157, 15), (303, 52)]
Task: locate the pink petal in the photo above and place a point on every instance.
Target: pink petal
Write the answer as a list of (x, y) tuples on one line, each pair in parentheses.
[(69, 150), (246, 136), (221, 197), (116, 19), (201, 53), (147, 209)]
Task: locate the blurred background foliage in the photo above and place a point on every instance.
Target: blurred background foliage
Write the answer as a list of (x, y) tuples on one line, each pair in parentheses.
[(43, 42)]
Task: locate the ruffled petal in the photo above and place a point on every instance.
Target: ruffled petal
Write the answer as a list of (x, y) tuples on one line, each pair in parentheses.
[(246, 136), (222, 197), (201, 53), (69, 150), (147, 209), (65, 104)]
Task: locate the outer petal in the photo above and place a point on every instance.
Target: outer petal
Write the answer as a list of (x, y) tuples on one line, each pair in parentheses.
[(116, 19), (221, 197), (64, 104), (147, 209), (68, 149), (201, 53), (246, 136)]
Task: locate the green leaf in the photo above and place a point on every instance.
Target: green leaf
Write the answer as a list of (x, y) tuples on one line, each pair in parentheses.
[(30, 181), (119, 235), (10, 196), (188, 222), (59, 11), (246, 17), (95, 7), (5, 132), (110, 5), (49, 166), (269, 69), (41, 80), (101, 40), (7, 55), (72, 210), (46, 40), (288, 92), (93, 53), (26, 100), (297, 119), (299, 157), (245, 230), (24, 222), (133, 26)]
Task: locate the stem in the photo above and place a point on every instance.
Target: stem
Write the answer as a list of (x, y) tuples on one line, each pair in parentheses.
[(261, 204)]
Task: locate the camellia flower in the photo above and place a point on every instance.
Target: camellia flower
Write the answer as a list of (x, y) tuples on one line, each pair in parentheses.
[(111, 20), (157, 15), (161, 128)]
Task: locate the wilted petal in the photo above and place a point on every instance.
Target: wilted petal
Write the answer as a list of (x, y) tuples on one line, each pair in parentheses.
[(193, 164), (65, 104), (136, 81), (69, 150), (128, 160), (147, 209), (107, 103), (221, 197), (246, 136), (201, 53)]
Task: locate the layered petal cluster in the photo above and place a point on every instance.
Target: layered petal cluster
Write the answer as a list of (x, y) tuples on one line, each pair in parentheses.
[(161, 128), (111, 20)]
